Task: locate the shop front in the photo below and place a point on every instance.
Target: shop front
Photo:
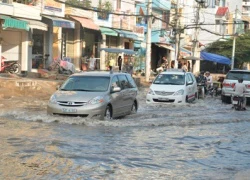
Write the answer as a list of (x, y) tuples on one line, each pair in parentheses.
[(84, 42), (14, 40), (56, 38)]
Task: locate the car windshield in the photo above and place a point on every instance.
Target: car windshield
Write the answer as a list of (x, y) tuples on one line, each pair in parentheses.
[(235, 75), (171, 79), (86, 83)]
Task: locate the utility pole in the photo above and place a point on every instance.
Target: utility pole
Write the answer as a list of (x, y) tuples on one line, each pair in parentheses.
[(148, 40), (234, 38), (177, 35), (196, 66)]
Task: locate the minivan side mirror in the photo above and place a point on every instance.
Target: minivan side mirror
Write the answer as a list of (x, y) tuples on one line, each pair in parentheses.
[(189, 83), (115, 89), (58, 87)]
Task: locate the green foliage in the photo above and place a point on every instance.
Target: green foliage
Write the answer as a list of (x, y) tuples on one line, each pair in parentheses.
[(105, 8), (225, 47), (84, 3)]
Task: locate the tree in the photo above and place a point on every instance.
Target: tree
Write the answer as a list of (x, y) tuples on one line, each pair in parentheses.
[(84, 3), (242, 48)]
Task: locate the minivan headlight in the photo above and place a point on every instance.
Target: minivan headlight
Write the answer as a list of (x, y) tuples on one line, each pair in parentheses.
[(96, 100), (151, 92), (180, 92), (52, 99)]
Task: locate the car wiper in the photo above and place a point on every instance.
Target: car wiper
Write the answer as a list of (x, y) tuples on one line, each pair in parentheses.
[(64, 89), (80, 90)]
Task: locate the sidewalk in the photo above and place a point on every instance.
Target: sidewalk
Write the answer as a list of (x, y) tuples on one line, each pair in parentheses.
[(12, 85), (33, 85)]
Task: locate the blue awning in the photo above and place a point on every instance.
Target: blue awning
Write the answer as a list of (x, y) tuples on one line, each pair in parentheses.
[(116, 50), (127, 34), (59, 22), (215, 58)]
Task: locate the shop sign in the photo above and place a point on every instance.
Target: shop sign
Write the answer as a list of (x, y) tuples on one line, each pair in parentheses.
[(52, 6)]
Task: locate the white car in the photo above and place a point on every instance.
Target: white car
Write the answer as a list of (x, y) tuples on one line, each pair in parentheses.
[(230, 80), (173, 86)]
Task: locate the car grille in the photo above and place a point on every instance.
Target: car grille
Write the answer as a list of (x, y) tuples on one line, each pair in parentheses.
[(167, 101), (163, 93), (72, 115), (71, 104)]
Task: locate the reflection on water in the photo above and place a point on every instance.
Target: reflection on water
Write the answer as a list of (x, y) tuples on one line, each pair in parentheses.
[(203, 140)]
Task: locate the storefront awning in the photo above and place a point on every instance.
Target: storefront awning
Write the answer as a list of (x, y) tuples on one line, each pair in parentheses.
[(59, 22), (86, 23), (165, 46), (14, 23), (183, 51), (36, 24), (215, 58), (116, 50), (108, 31), (127, 34)]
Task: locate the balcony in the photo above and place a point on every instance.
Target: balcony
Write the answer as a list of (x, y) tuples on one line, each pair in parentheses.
[(245, 3), (123, 21), (6, 7)]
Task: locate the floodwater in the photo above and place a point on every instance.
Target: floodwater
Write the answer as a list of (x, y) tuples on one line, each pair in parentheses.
[(201, 140)]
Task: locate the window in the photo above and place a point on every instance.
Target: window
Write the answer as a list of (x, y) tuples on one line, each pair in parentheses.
[(115, 82), (131, 82), (126, 45), (86, 83), (118, 4), (189, 78), (123, 81), (111, 41)]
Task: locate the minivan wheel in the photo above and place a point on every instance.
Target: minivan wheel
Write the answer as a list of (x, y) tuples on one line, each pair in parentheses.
[(134, 108), (108, 113)]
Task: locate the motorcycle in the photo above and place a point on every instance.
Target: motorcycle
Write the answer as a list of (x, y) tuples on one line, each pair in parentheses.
[(62, 66), (201, 90), (237, 102), (11, 66)]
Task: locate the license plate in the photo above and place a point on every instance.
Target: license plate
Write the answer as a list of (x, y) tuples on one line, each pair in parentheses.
[(163, 99), (66, 110), (235, 102)]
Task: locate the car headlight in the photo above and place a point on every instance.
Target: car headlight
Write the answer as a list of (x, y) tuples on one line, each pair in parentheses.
[(96, 100), (53, 99), (151, 92), (180, 92)]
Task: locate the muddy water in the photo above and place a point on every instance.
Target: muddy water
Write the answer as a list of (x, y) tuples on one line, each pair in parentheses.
[(202, 140)]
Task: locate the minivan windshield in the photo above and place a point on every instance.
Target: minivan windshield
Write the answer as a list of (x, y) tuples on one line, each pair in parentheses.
[(170, 79), (86, 83), (235, 75)]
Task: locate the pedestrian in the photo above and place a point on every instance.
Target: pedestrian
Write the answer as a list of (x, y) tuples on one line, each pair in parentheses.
[(120, 63), (111, 64), (179, 64), (189, 66), (184, 67), (92, 63), (240, 89), (172, 64), (209, 79)]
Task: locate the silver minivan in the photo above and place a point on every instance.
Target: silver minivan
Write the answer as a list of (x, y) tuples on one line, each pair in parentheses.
[(101, 95)]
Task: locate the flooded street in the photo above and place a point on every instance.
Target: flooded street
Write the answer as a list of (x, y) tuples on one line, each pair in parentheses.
[(201, 140)]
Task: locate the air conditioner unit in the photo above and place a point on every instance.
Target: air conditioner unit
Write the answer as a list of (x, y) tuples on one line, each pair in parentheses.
[(5, 1)]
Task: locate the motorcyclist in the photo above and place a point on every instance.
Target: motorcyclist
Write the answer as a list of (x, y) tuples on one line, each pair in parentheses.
[(240, 89), (201, 82), (201, 79)]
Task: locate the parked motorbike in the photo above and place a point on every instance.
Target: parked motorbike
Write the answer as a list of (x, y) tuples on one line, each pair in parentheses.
[(9, 66), (237, 102), (62, 67), (201, 90)]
